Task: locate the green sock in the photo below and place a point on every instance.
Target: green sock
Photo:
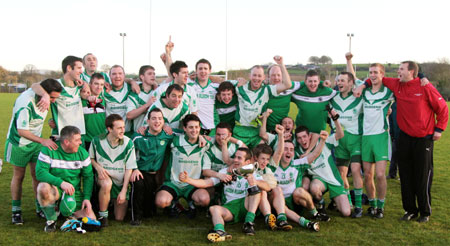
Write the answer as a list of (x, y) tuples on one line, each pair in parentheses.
[(282, 217), (266, 217), (219, 227), (16, 206), (358, 198), (49, 211), (373, 202), (313, 211), (303, 222), (103, 214), (349, 197), (380, 203), (38, 206), (250, 217)]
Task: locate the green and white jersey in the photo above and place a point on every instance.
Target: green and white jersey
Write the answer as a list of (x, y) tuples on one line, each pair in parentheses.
[(67, 110), (272, 140), (253, 103), (206, 97), (135, 101), (94, 118), (189, 95), (87, 78), (151, 149), (227, 112), (280, 106), (214, 159), (324, 166), (187, 157), (376, 106), (350, 112), (290, 178), (115, 104), (236, 189), (311, 107), (56, 166), (172, 116), (25, 116), (115, 160)]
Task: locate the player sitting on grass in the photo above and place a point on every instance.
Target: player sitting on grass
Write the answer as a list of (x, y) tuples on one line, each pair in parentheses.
[(241, 197)]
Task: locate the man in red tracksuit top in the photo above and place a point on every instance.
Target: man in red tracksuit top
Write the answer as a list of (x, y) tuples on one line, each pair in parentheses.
[(422, 115)]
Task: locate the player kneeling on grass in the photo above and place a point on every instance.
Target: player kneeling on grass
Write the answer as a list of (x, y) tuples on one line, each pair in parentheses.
[(61, 173), (241, 196), (325, 175), (114, 159)]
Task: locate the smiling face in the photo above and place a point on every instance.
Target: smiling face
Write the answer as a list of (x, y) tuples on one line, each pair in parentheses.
[(376, 74), (54, 95), (226, 96), (192, 129), (203, 70), (239, 159), (155, 122), (148, 77), (72, 144), (174, 99), (96, 86), (288, 124), (256, 77), (263, 159), (75, 72), (118, 129), (182, 76), (275, 76), (117, 77), (312, 83), (222, 133), (288, 153), (344, 84)]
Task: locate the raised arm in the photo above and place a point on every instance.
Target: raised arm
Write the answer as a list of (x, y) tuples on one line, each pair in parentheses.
[(318, 150), (168, 56), (339, 131), (263, 129), (350, 68), (286, 78), (280, 147)]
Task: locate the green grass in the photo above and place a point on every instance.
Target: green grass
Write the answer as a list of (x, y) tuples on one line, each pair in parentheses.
[(162, 231)]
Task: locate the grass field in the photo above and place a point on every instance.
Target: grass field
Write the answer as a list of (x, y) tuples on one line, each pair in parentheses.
[(182, 231)]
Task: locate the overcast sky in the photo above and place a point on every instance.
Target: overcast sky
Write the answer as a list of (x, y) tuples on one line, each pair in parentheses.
[(43, 32)]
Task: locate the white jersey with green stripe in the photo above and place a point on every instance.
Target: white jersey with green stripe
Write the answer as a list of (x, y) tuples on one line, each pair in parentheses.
[(115, 103), (115, 160), (187, 157), (205, 98), (172, 116), (290, 178), (324, 166), (213, 159), (236, 189), (189, 95), (135, 101), (350, 112), (25, 116), (376, 106), (252, 103), (67, 110), (87, 78)]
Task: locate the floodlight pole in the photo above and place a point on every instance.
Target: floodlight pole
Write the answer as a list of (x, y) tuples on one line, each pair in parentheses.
[(350, 35), (123, 35)]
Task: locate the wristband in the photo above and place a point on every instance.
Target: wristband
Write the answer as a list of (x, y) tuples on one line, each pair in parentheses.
[(240, 143), (253, 190)]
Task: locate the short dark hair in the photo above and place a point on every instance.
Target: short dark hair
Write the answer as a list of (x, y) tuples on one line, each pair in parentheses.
[(154, 110), (311, 73), (289, 141), (97, 76), (70, 61), (412, 66), (203, 60), (262, 149), (176, 67), (225, 125), (225, 86), (173, 87), (68, 131), (50, 85), (248, 153), (190, 117), (349, 75), (144, 69), (109, 121), (301, 129)]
